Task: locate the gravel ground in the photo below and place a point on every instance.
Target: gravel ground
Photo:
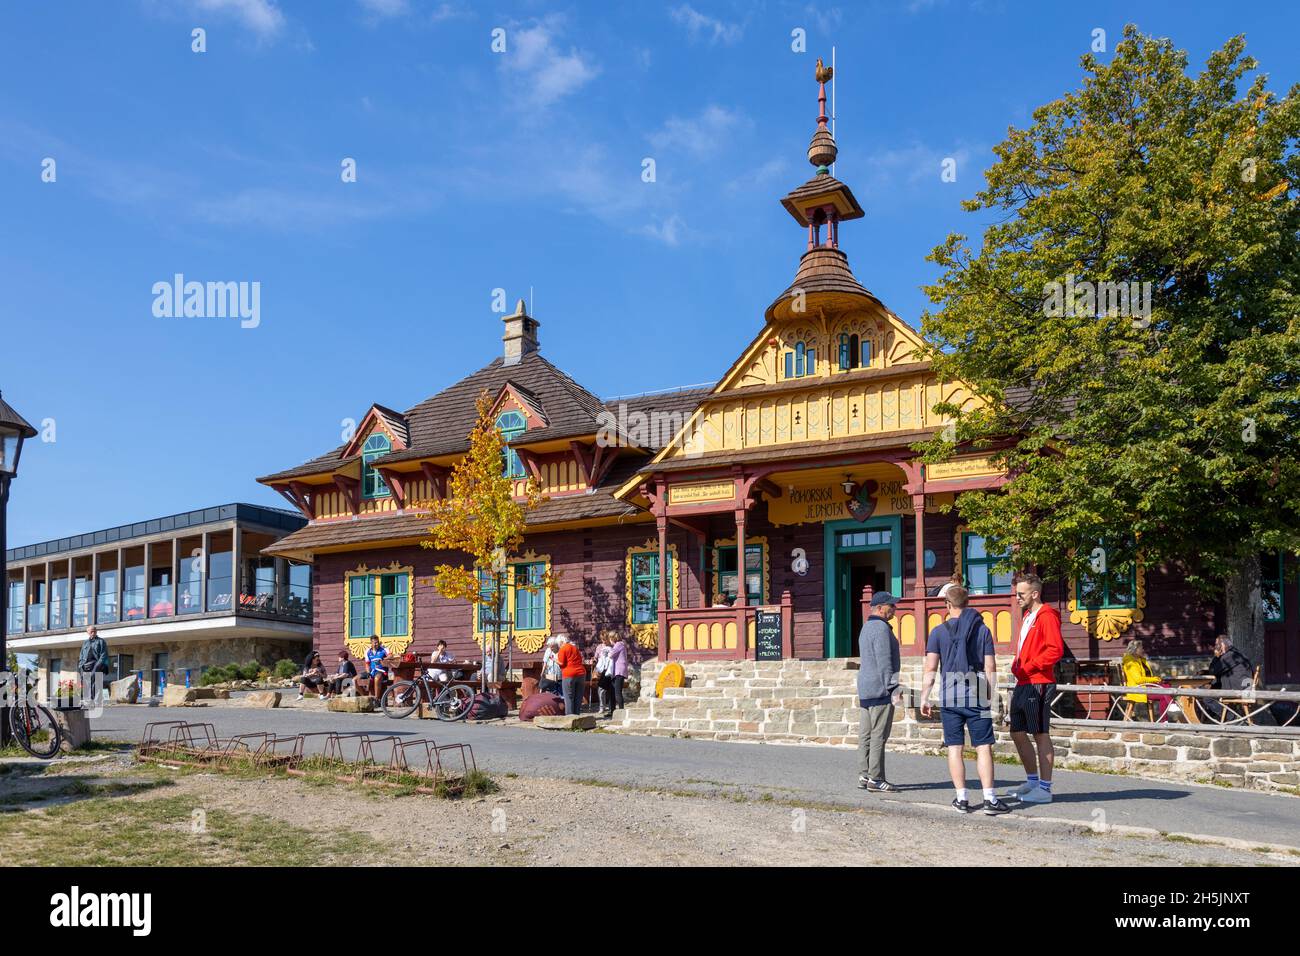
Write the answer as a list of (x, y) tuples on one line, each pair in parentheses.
[(538, 820), (813, 776)]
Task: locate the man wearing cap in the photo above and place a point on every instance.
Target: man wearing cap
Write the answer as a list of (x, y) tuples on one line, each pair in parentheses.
[(877, 692)]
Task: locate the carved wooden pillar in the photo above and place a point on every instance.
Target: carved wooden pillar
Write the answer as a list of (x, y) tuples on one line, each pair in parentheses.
[(741, 597), (661, 616)]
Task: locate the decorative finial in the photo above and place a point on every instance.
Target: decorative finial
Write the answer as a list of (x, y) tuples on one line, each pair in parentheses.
[(822, 149)]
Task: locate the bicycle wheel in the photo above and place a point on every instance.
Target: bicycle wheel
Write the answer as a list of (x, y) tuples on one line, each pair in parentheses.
[(454, 703), (400, 699), (34, 728)]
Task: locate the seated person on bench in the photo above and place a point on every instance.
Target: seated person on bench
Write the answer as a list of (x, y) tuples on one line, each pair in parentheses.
[(440, 656), (346, 671)]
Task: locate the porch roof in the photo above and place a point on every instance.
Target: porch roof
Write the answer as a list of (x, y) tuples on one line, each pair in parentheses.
[(808, 449)]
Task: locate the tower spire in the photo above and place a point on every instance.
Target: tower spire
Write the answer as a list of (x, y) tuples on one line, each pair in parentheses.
[(822, 150)]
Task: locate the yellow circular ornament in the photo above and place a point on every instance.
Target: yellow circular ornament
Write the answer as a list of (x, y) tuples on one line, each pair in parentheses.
[(673, 675)]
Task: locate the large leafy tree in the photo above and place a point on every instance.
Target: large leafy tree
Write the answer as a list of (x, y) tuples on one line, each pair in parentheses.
[(481, 518), (1177, 429)]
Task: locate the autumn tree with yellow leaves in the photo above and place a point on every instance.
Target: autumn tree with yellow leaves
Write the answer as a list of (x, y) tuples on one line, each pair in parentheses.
[(480, 517)]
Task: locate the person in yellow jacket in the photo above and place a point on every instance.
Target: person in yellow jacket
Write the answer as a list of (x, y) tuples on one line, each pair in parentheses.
[(1138, 673)]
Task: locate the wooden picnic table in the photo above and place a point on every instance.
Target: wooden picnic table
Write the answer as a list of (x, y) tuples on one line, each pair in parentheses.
[(1185, 703)]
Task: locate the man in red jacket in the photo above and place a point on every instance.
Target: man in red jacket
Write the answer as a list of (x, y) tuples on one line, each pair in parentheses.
[(1034, 668)]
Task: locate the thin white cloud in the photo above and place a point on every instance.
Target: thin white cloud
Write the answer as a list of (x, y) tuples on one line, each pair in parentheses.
[(668, 231), (701, 27), (386, 8), (702, 136), (541, 72), (262, 17)]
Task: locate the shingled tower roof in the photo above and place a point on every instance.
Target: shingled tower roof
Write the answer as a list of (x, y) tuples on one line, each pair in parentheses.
[(823, 202)]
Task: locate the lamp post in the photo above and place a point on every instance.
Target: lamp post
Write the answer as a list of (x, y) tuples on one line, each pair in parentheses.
[(14, 430)]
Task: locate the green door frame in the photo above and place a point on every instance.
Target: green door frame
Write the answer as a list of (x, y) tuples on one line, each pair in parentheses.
[(830, 552)]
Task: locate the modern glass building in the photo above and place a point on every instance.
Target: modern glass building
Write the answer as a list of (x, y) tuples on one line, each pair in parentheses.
[(172, 596)]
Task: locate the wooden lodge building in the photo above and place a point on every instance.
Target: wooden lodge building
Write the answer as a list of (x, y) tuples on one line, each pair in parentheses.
[(790, 485)]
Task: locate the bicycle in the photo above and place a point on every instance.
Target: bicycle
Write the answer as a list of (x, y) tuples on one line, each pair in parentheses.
[(401, 699), (33, 725)]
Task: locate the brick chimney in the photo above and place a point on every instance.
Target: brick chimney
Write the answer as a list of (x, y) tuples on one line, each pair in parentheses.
[(521, 334)]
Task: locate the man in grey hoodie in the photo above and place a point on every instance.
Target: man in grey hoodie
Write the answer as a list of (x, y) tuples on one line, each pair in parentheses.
[(877, 692)]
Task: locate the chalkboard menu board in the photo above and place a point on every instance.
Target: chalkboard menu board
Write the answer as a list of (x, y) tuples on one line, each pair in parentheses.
[(767, 634)]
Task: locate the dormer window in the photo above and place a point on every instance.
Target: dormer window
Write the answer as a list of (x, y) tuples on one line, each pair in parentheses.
[(854, 353), (372, 483), (800, 361), (511, 425)]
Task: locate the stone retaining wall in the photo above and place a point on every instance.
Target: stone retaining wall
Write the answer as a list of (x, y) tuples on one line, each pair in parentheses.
[(815, 702)]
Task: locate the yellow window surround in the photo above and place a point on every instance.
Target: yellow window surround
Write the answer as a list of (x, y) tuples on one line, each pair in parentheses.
[(357, 646), (647, 635), (529, 641), (1110, 622)]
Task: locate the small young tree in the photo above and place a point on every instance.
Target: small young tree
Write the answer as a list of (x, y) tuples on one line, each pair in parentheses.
[(480, 518), (1131, 318)]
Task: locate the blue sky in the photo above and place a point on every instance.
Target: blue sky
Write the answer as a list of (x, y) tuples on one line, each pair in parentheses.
[(476, 170)]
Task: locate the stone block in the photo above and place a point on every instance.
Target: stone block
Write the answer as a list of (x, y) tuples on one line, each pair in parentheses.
[(179, 696), (1196, 753), (1153, 753), (355, 705), (1098, 748), (1262, 767), (1093, 735), (1285, 779), (1230, 747), (1274, 746), (1187, 740), (75, 726), (565, 722), (268, 699), (1154, 740), (124, 691)]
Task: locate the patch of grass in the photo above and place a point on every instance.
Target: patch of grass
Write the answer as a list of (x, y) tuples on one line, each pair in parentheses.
[(165, 831), (79, 788)]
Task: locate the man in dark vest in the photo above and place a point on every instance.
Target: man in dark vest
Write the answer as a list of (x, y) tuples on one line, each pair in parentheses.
[(92, 665)]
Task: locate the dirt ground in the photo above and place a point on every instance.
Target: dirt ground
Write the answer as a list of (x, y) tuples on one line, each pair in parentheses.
[(537, 821)]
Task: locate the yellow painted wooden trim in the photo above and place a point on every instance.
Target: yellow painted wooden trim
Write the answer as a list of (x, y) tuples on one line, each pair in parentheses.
[(529, 641), (647, 635), (1109, 623), (357, 646)]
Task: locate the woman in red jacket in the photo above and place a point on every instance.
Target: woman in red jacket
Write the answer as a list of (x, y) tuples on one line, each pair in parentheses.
[(573, 675)]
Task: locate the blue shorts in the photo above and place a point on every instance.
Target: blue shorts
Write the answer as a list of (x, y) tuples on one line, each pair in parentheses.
[(956, 720)]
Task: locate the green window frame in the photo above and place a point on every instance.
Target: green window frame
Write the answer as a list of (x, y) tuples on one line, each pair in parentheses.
[(726, 568), (530, 605), (487, 603), (645, 586), (385, 597), (512, 425), (361, 607), (1116, 587), (372, 483), (977, 566), (393, 605), (1271, 571)]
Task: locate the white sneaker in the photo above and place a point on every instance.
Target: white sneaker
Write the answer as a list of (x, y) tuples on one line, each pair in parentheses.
[(1018, 792), (1037, 795)]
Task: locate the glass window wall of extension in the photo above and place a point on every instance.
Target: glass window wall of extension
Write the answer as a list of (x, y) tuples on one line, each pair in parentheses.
[(160, 580)]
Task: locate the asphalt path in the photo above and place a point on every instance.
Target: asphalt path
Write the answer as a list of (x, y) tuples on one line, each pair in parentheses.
[(814, 774)]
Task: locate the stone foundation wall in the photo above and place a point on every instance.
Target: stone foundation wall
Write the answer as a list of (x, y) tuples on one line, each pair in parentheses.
[(193, 656), (1237, 759), (815, 702)]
